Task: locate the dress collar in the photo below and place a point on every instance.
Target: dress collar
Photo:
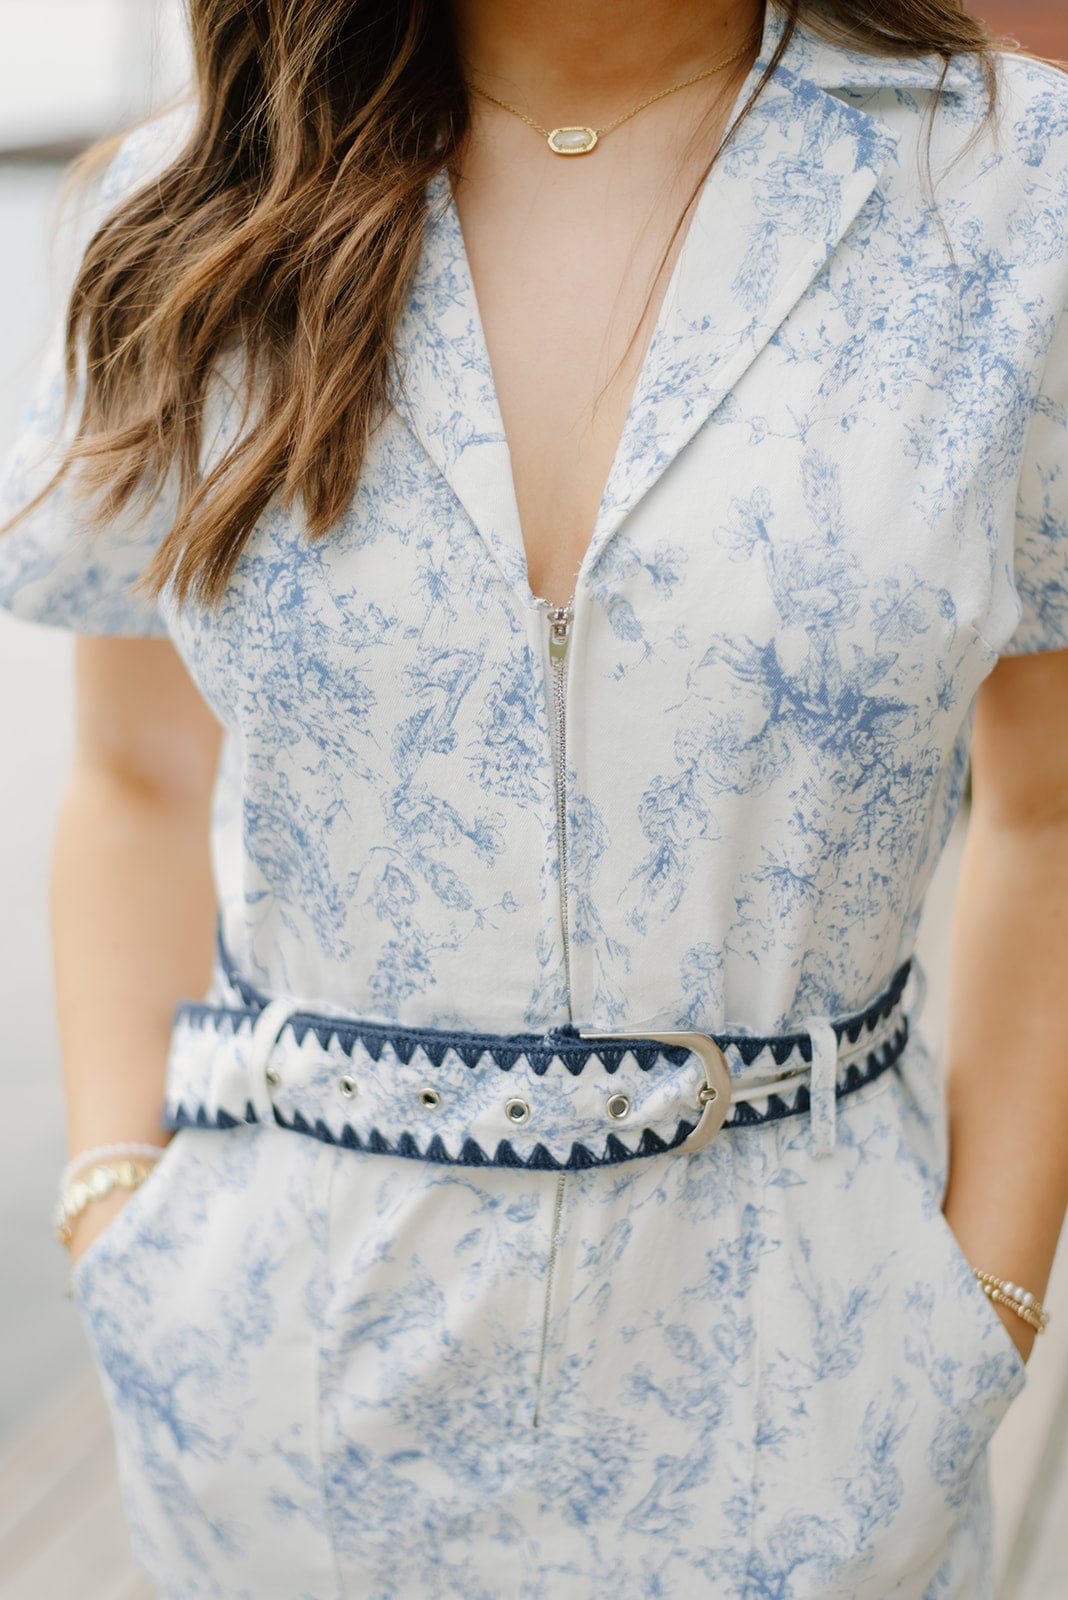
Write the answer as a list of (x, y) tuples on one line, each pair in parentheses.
[(833, 67)]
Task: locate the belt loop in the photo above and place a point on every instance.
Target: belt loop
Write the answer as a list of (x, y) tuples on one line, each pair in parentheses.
[(265, 1034), (823, 1085)]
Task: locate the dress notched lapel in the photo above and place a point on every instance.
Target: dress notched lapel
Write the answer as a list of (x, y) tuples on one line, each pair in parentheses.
[(778, 201), (446, 393)]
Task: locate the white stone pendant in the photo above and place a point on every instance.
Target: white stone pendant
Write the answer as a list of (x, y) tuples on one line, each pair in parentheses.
[(572, 141)]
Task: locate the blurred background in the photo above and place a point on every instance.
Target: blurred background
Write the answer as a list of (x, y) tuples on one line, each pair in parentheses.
[(71, 70)]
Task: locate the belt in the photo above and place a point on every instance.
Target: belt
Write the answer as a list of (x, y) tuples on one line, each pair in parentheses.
[(563, 1098)]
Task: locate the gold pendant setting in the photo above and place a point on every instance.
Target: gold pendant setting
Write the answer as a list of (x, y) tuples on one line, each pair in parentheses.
[(572, 141)]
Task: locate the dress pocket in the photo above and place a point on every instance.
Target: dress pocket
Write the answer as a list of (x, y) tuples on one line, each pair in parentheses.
[(139, 1206), (975, 1302), (884, 1372), (967, 1328), (200, 1305)]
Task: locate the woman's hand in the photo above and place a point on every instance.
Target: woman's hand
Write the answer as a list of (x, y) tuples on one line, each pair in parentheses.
[(1023, 1336), (94, 1219)]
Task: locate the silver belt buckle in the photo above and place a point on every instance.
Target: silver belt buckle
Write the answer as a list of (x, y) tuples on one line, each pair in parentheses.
[(714, 1095)]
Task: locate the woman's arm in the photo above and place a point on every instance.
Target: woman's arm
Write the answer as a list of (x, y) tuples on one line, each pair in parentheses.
[(1007, 1062), (133, 901)]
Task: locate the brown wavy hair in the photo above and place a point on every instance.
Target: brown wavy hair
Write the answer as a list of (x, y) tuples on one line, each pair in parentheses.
[(289, 228)]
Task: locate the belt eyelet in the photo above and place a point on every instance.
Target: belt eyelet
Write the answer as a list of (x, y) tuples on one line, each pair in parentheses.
[(517, 1111), (714, 1095), (347, 1085)]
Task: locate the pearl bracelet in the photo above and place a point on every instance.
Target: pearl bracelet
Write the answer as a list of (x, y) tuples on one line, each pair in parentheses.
[(1020, 1300), (104, 1152)]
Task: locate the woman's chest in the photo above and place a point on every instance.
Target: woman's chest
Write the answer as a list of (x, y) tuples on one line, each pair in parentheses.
[(565, 263), (805, 494), (732, 760)]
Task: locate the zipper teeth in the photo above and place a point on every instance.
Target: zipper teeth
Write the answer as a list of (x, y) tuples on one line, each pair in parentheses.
[(560, 618), (550, 1273)]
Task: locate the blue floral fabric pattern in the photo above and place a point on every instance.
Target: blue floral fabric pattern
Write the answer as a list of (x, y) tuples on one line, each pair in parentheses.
[(841, 493), (749, 1373)]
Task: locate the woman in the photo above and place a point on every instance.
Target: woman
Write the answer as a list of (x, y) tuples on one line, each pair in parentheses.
[(600, 561)]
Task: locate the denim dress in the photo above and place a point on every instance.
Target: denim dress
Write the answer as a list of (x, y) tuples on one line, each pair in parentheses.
[(710, 794)]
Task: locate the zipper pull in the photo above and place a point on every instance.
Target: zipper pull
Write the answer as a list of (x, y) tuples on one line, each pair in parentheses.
[(559, 630)]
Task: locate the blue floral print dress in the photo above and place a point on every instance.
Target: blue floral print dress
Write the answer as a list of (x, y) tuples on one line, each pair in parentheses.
[(710, 796)]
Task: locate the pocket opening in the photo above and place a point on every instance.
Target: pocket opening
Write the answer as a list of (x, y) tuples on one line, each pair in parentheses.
[(924, 1144), (135, 1201), (971, 1290)]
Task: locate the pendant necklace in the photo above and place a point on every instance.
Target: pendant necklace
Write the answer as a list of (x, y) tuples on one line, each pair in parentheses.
[(580, 140)]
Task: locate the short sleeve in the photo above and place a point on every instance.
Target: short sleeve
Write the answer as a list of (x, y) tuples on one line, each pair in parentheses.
[(55, 567), (1040, 553)]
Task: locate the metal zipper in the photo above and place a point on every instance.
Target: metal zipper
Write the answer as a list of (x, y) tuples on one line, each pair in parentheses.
[(560, 619), (550, 1273)]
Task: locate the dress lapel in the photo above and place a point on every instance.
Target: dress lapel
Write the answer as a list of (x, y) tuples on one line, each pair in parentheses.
[(774, 208), (444, 386), (772, 211)]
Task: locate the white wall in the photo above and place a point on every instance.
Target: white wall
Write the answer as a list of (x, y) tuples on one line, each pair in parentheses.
[(72, 68)]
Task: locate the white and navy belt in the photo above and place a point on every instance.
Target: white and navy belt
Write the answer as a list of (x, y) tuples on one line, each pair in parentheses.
[(565, 1098)]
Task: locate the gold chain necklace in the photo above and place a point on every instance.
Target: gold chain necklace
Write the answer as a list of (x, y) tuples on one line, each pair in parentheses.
[(579, 140)]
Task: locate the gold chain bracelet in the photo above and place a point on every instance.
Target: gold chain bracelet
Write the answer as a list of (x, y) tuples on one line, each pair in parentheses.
[(94, 1183), (1020, 1300)]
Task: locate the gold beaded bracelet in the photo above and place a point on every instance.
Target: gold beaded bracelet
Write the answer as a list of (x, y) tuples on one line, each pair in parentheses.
[(93, 1184), (1020, 1300)]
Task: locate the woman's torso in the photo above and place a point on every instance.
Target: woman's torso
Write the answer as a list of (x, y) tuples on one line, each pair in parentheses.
[(796, 580)]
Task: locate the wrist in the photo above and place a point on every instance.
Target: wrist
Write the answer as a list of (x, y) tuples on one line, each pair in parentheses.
[(978, 1252), (91, 1177), (1023, 1337), (996, 1237), (87, 1133), (86, 1156), (95, 1219)]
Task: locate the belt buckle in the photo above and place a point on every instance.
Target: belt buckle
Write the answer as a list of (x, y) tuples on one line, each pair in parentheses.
[(714, 1095)]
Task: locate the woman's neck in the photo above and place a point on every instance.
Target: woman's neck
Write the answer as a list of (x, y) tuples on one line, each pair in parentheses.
[(588, 57)]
